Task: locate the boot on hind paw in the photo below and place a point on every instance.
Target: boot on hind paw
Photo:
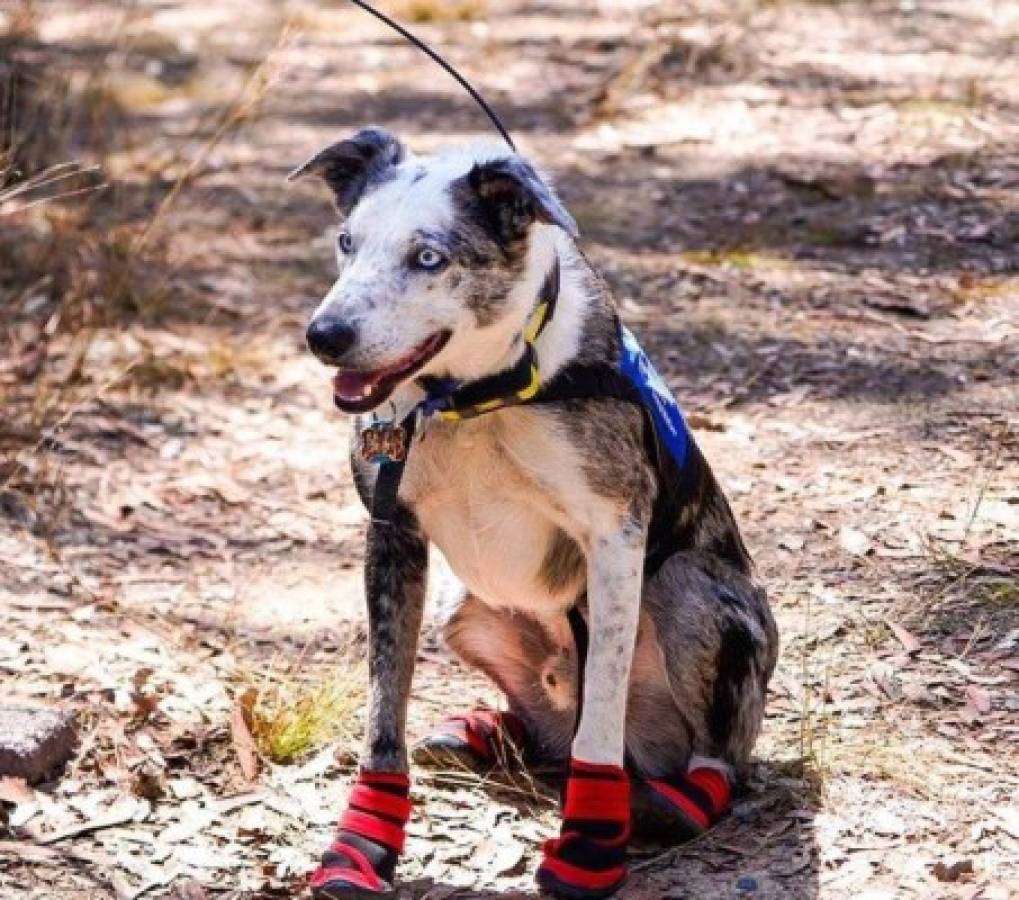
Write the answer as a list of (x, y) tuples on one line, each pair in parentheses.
[(477, 741), (678, 809)]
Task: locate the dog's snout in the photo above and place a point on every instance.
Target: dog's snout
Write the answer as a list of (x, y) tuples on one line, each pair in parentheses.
[(329, 338)]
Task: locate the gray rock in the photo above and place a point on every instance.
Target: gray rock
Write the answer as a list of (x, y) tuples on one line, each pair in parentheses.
[(34, 740)]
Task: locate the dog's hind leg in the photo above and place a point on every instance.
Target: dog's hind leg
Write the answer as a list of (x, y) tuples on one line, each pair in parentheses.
[(533, 663), (363, 856), (717, 646)]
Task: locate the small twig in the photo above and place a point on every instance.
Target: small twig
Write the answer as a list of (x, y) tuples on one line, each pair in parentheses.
[(241, 107), (983, 490), (111, 820), (51, 198), (53, 175), (975, 635), (667, 855)]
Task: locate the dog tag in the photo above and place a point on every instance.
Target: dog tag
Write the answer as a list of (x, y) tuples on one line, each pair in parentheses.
[(383, 442)]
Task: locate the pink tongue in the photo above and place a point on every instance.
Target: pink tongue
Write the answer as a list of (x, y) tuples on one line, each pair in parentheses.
[(351, 385)]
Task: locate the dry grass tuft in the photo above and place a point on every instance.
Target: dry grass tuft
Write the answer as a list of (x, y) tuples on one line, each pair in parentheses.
[(291, 718)]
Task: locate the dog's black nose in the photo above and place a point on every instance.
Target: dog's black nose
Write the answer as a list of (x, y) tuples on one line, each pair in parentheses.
[(329, 338)]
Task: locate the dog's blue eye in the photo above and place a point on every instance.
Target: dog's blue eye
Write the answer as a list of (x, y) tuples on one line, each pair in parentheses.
[(427, 258), (345, 242)]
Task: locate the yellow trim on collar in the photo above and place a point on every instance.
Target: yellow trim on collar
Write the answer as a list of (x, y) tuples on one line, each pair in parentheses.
[(535, 322), (488, 405), (531, 389)]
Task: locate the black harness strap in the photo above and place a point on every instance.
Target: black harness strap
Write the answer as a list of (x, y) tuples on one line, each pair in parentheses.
[(600, 381), (588, 381), (549, 295), (387, 482)]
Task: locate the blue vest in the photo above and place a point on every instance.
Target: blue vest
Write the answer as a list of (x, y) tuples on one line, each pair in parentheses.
[(656, 398)]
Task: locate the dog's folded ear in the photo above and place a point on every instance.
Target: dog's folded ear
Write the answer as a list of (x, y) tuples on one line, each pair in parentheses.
[(514, 196), (349, 167)]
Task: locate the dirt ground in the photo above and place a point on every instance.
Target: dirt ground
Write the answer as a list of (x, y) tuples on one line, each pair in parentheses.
[(808, 212)]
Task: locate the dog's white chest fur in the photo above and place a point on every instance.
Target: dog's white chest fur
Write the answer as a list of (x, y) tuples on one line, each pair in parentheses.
[(489, 494)]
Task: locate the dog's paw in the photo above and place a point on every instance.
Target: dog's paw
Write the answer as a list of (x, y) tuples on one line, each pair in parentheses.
[(347, 883), (576, 867), (588, 861), (348, 871), (361, 859), (477, 742), (679, 809)]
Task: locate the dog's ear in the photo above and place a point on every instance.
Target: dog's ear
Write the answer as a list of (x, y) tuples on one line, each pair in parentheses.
[(348, 167), (514, 196)]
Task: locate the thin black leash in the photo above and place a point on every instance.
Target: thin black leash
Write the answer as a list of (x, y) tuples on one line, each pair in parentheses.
[(436, 58), (392, 472)]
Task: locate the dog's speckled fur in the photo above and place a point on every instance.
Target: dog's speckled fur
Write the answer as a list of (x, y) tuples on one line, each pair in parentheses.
[(536, 508)]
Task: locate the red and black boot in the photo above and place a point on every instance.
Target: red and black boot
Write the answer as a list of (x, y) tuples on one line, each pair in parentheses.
[(681, 808), (477, 740), (361, 860), (588, 859)]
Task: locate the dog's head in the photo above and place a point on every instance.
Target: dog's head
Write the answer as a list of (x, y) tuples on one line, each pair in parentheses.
[(432, 252)]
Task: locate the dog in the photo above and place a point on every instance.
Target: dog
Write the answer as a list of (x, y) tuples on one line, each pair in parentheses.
[(606, 589)]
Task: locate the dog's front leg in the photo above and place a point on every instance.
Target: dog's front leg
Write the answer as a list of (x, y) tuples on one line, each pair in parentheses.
[(589, 858), (371, 835)]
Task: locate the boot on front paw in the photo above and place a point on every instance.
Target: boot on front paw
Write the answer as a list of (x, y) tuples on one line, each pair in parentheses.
[(588, 859), (361, 860)]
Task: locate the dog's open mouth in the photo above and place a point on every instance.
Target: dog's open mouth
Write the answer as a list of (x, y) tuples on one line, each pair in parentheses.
[(356, 391)]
